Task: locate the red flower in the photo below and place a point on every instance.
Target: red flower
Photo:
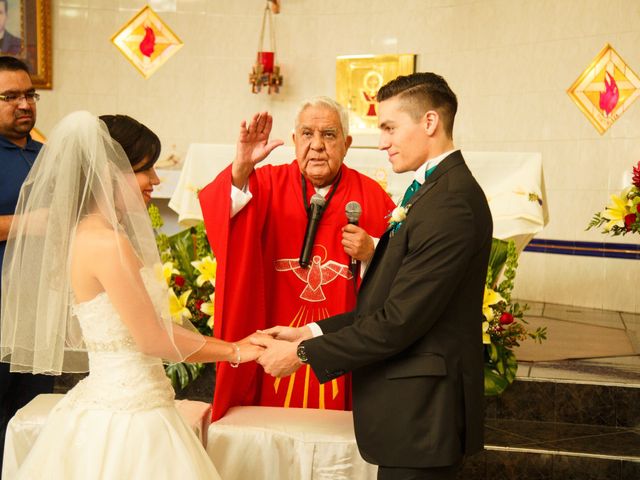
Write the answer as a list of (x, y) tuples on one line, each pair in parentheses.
[(506, 318), (179, 281), (636, 175), (199, 303), (629, 220)]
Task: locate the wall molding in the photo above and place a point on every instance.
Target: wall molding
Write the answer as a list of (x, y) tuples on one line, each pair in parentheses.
[(629, 251)]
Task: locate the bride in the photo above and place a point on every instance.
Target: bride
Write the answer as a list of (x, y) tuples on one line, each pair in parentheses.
[(81, 291)]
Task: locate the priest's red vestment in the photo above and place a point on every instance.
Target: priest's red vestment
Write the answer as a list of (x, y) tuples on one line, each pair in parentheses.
[(259, 282)]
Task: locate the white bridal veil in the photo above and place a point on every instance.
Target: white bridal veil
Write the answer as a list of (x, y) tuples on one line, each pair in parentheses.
[(81, 170)]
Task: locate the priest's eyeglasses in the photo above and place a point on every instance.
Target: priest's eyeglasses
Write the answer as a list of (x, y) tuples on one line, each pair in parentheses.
[(16, 98)]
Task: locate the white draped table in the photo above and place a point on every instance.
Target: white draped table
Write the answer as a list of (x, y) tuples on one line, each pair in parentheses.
[(513, 183), (266, 443), (247, 443)]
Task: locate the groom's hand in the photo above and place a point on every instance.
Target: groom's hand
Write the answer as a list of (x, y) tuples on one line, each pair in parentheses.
[(290, 334), (279, 357)]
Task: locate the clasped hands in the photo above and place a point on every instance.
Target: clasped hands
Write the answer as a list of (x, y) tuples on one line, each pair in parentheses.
[(278, 347)]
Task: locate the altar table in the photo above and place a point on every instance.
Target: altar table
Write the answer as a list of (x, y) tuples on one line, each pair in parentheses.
[(512, 181), (266, 443)]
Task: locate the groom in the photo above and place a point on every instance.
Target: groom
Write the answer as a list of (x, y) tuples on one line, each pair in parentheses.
[(414, 341)]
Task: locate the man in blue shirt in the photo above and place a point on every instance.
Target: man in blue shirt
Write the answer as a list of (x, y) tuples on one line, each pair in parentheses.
[(18, 152)]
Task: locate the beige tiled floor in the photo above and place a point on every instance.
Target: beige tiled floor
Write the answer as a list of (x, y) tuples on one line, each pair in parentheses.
[(582, 345)]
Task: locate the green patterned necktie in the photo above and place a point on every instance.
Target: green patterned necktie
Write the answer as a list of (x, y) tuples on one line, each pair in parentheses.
[(413, 188)]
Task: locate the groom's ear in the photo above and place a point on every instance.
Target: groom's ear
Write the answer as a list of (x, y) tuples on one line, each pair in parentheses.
[(430, 121)]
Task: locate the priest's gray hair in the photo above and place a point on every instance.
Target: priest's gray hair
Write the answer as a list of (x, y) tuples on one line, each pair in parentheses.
[(326, 102)]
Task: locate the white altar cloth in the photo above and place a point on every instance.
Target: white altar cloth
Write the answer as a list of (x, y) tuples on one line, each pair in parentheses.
[(513, 183), (25, 426), (266, 443)]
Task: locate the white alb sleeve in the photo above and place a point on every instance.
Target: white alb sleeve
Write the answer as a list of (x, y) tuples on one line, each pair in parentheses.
[(239, 198)]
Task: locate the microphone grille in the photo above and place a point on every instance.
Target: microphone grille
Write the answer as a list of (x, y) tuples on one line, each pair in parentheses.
[(318, 200), (353, 210)]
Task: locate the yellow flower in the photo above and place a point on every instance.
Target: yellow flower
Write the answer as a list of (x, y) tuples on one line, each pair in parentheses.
[(491, 297), (207, 307), (617, 210), (178, 306), (164, 271), (207, 268), (486, 338)]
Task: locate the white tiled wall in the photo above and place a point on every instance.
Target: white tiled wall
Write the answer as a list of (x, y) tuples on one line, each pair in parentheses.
[(509, 61)]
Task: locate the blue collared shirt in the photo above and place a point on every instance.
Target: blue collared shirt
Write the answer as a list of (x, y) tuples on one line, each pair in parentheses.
[(15, 163)]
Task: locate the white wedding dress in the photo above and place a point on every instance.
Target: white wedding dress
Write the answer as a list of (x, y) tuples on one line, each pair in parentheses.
[(119, 422)]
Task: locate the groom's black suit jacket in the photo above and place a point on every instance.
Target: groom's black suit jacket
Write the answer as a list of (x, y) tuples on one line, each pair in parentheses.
[(414, 341)]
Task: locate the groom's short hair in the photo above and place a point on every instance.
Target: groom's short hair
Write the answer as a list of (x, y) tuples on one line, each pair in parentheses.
[(421, 92)]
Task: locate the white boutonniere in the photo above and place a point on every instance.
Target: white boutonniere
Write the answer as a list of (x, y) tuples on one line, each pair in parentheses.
[(397, 216)]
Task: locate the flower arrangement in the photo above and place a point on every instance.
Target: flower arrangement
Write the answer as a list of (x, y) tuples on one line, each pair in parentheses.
[(189, 269), (504, 325), (622, 216)]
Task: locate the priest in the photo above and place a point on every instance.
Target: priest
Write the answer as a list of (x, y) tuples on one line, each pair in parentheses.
[(283, 257)]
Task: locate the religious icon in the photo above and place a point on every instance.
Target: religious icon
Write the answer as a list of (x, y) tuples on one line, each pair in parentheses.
[(25, 33), (320, 273), (146, 41), (606, 89), (372, 83), (358, 79)]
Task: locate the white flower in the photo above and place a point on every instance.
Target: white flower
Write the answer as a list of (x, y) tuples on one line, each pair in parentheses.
[(399, 214)]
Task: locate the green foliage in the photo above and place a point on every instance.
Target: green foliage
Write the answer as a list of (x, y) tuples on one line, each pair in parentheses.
[(497, 259), (182, 374)]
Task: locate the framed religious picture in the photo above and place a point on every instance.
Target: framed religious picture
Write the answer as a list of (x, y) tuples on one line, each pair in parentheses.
[(25, 32), (358, 79)]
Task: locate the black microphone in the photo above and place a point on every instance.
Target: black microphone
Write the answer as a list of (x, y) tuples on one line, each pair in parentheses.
[(353, 210), (316, 207)]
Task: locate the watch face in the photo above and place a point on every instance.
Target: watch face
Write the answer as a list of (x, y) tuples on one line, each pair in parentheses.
[(302, 353)]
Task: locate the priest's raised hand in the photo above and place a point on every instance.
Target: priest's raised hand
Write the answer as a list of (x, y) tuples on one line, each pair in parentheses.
[(253, 147)]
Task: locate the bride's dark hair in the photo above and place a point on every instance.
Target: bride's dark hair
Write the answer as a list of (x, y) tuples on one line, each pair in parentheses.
[(140, 144), (80, 170)]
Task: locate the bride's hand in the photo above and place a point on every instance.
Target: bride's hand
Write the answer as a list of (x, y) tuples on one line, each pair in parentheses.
[(256, 335), (249, 353)]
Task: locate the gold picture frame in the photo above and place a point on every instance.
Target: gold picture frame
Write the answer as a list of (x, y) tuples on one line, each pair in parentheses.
[(358, 79), (605, 89), (146, 41), (27, 36)]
